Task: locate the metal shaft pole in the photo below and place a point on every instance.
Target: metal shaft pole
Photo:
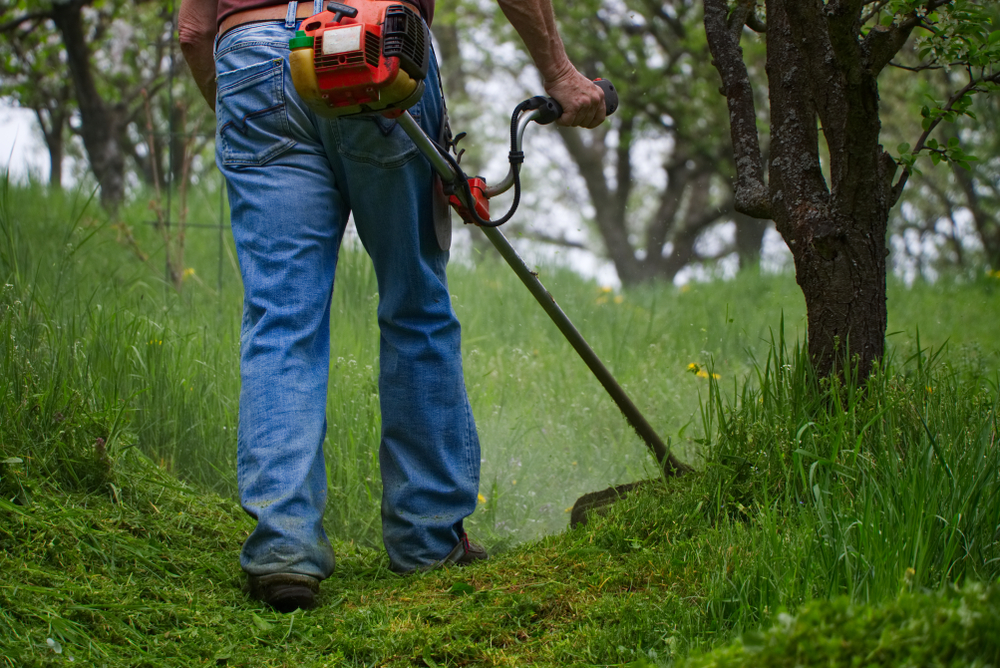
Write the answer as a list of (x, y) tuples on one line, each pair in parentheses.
[(548, 303), (631, 412)]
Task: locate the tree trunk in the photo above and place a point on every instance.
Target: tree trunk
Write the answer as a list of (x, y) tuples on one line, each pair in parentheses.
[(55, 163), (749, 239), (100, 123), (682, 214), (822, 73), (836, 235), (987, 227), (53, 132), (609, 202)]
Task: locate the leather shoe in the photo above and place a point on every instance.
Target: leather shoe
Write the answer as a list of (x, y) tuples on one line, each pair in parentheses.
[(463, 554), (284, 592)]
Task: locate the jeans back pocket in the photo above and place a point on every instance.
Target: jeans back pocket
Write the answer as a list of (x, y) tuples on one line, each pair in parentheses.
[(252, 118), (375, 140)]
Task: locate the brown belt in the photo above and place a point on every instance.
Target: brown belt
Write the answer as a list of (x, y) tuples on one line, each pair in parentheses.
[(272, 13)]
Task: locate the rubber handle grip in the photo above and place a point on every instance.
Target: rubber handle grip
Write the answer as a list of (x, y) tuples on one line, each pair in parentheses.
[(340, 10), (550, 110), (610, 95)]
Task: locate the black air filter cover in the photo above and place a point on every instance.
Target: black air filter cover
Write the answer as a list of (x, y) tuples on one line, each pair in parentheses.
[(405, 36)]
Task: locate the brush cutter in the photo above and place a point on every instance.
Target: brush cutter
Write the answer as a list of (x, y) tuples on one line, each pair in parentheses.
[(371, 56)]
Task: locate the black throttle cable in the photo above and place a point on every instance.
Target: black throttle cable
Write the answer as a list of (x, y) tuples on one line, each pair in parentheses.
[(548, 111)]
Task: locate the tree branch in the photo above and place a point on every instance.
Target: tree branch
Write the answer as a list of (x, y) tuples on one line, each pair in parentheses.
[(873, 12), (655, 8), (750, 192), (745, 14), (738, 17), (882, 44), (666, 212), (845, 7), (30, 16), (917, 68), (897, 190), (535, 235), (67, 5), (832, 59)]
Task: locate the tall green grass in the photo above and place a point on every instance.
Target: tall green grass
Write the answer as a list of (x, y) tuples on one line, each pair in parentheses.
[(806, 488), (91, 329), (101, 328), (853, 489)]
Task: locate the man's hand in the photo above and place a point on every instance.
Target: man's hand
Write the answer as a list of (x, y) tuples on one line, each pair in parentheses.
[(197, 27), (582, 101)]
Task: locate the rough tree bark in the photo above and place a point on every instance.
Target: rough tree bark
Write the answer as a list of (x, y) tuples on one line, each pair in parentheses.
[(820, 68)]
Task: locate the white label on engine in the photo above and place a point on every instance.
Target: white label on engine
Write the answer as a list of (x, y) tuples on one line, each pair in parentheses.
[(341, 40)]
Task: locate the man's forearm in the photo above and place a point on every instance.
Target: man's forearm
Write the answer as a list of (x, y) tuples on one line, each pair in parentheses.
[(535, 22), (196, 26)]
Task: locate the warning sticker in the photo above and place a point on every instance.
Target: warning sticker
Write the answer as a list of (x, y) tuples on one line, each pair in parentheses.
[(342, 40)]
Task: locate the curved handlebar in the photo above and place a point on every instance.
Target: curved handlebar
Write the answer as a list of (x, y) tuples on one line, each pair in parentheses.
[(550, 110)]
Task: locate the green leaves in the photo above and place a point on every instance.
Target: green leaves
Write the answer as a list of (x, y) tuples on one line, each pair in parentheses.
[(461, 589), (950, 152), (260, 622), (961, 36), (961, 33), (947, 113)]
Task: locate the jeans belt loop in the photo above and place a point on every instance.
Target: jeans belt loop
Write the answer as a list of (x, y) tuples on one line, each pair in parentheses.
[(290, 18)]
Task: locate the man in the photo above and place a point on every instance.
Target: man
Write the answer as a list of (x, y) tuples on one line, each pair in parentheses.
[(293, 178)]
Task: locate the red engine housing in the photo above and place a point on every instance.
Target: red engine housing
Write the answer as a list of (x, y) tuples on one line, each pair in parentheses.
[(382, 51)]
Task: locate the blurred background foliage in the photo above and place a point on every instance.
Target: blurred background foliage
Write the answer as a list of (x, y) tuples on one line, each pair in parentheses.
[(647, 196)]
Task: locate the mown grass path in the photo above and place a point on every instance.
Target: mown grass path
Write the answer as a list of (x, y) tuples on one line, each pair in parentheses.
[(146, 575)]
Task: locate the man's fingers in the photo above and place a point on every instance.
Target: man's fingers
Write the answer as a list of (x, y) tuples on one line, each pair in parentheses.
[(581, 99), (584, 118), (586, 111)]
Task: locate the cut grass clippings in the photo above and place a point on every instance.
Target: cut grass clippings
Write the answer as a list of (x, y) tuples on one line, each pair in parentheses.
[(145, 574)]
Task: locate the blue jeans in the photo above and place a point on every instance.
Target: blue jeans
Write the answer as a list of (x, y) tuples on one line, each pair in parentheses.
[(293, 178)]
